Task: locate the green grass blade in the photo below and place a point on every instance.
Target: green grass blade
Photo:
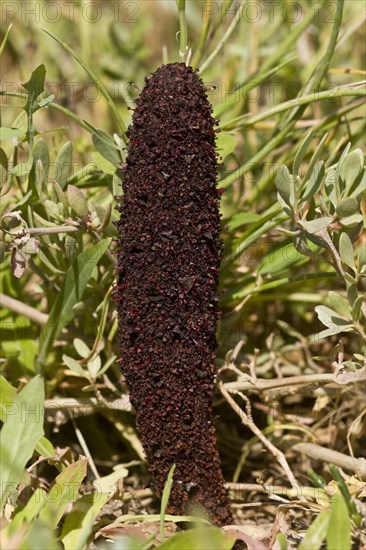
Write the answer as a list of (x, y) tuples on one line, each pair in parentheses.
[(76, 279), (317, 532), (258, 157), (165, 499), (181, 5), (339, 528), (95, 79), (5, 39), (285, 46), (304, 100), (63, 491), (320, 71), (201, 538), (21, 432), (249, 84), (205, 65), (79, 523)]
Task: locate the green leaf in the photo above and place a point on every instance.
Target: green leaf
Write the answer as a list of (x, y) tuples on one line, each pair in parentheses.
[(38, 177), (51, 210), (351, 221), (362, 257), (352, 293), (107, 484), (8, 133), (339, 528), (165, 498), (41, 152), (82, 349), (94, 366), (35, 86), (78, 525), (356, 309), (316, 533), (315, 181), (103, 164), (339, 304), (314, 159), (350, 279), (61, 196), (22, 169), (225, 144), (107, 365), (104, 215), (45, 448), (346, 251), (301, 153), (344, 153), (281, 541), (3, 162), (330, 319), (44, 259), (106, 147), (331, 185), (199, 539), (325, 315), (117, 190), (343, 487), (347, 207), (40, 536), (360, 187), (30, 511), (70, 249), (129, 542), (351, 167), (21, 432), (314, 226), (63, 491), (76, 279), (63, 164), (285, 185), (331, 332), (7, 396), (77, 201), (74, 366), (42, 221)]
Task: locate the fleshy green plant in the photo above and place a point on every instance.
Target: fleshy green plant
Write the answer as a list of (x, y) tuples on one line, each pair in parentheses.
[(324, 207)]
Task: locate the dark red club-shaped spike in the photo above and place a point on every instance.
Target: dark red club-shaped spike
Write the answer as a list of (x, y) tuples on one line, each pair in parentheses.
[(168, 262)]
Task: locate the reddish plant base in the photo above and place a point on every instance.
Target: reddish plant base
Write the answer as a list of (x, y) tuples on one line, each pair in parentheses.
[(169, 256)]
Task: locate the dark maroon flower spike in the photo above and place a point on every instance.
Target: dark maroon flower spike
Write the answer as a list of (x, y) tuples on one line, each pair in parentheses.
[(168, 270)]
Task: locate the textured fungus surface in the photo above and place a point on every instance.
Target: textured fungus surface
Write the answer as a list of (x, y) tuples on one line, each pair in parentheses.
[(169, 255)]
